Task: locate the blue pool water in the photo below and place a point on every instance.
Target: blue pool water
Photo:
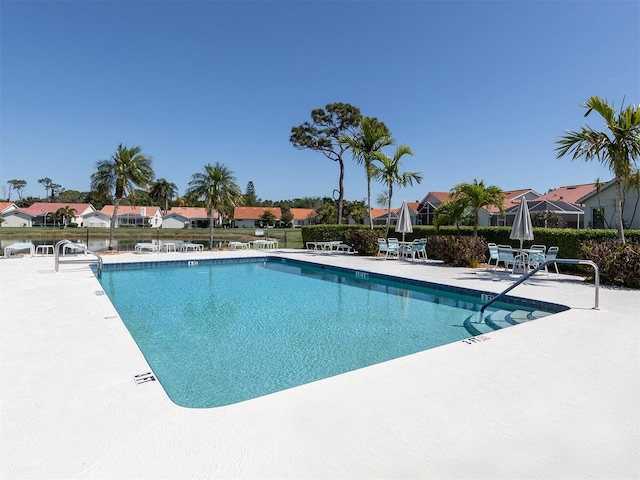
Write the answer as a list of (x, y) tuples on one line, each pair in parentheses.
[(220, 333)]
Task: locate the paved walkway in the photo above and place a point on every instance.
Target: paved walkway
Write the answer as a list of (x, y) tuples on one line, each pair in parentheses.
[(555, 398)]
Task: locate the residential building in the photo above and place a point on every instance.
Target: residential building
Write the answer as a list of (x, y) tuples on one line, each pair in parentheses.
[(249, 217), (562, 201), (41, 212), (13, 216), (189, 217), (600, 209), (380, 214), (97, 219), (427, 207), (302, 216), (512, 199), (135, 216)]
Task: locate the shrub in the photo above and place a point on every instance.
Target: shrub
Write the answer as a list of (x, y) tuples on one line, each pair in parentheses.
[(363, 240), (458, 251), (618, 264)]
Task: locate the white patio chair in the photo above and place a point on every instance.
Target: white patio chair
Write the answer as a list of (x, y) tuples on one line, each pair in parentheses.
[(493, 254), (507, 257)]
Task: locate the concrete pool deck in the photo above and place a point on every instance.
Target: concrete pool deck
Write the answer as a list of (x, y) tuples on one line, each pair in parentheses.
[(556, 398)]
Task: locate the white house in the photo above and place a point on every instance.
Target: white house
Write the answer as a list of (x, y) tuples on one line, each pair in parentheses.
[(188, 217), (249, 217), (41, 212), (96, 220), (600, 209), (137, 216), (302, 216), (12, 216)]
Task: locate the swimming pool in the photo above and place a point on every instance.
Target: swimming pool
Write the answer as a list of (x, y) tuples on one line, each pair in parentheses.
[(217, 332)]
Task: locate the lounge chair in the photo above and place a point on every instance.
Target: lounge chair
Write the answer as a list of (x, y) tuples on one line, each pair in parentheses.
[(238, 246), (339, 246), (150, 247), (74, 247), (16, 247), (194, 247)]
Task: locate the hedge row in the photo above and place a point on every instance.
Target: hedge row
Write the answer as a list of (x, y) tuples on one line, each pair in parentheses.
[(567, 239), (619, 265)]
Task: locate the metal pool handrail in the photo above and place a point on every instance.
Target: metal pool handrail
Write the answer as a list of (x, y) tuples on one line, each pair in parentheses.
[(62, 242), (569, 261)]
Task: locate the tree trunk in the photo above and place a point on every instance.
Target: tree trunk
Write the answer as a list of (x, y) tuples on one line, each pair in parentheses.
[(369, 202), (340, 191), (112, 227), (619, 209), (389, 212), (211, 223), (476, 217)]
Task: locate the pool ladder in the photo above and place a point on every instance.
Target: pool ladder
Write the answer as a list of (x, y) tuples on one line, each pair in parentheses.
[(569, 261), (58, 260)]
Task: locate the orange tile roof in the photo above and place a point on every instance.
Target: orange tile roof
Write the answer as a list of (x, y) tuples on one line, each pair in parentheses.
[(378, 212), (41, 208), (570, 193), (512, 198), (302, 213), (191, 212), (442, 196), (413, 206), (5, 205), (254, 213), (128, 209)]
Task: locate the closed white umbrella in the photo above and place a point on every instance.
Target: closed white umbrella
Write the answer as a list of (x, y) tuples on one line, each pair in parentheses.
[(522, 228), (404, 225)]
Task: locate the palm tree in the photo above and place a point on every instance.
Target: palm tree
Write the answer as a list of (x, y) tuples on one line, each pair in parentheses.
[(617, 151), (476, 196), (218, 188), (163, 191), (451, 212), (372, 137), (65, 214), (127, 169), (388, 172)]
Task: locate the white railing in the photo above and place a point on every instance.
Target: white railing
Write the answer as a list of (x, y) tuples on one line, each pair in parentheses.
[(569, 261), (76, 246)]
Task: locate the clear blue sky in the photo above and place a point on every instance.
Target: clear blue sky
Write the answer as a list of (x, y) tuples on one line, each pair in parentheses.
[(477, 89)]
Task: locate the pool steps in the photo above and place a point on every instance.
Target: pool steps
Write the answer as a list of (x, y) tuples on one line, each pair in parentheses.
[(500, 319)]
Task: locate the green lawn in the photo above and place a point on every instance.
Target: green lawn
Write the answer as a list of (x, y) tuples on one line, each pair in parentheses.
[(287, 237)]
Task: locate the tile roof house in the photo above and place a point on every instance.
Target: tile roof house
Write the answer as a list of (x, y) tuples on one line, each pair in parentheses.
[(302, 216), (40, 210), (12, 216), (562, 201), (249, 217), (188, 217), (97, 219), (427, 206), (487, 216), (511, 201), (136, 216), (379, 215), (569, 194)]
